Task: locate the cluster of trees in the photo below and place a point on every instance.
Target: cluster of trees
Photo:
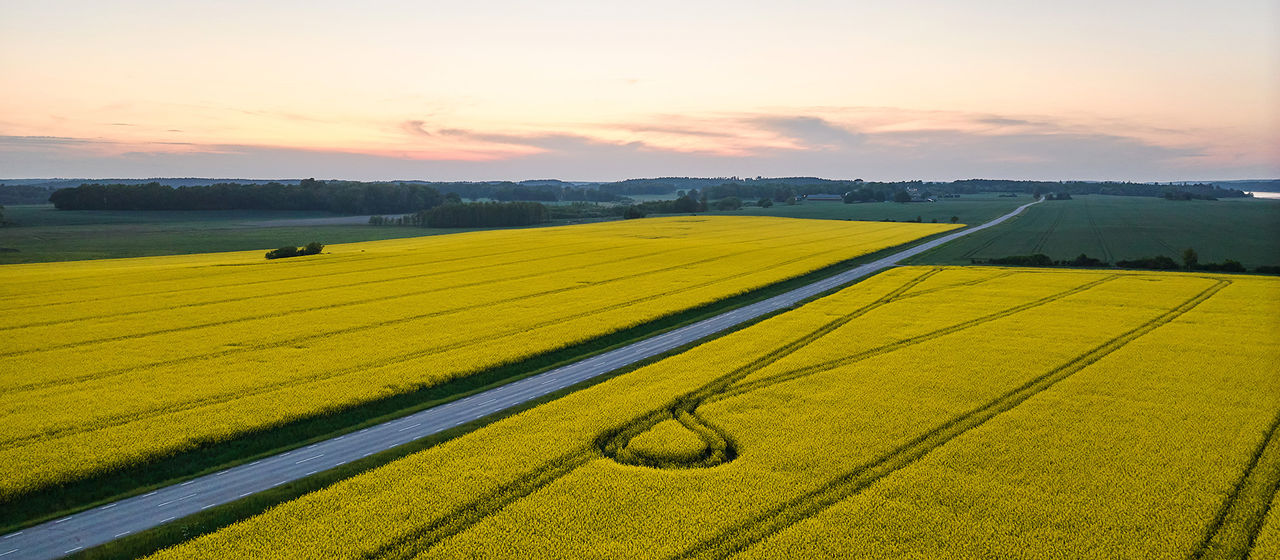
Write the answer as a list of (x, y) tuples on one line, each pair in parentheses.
[(475, 214), (344, 197), (685, 203), (312, 248), (1190, 261)]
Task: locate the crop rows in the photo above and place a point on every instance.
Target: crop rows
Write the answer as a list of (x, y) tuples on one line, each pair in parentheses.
[(111, 364), (924, 412)]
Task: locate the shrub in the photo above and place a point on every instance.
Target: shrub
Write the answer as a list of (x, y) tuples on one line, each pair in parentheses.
[(312, 248), (287, 251)]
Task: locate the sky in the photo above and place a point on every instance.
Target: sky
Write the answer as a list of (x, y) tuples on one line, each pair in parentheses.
[(599, 90)]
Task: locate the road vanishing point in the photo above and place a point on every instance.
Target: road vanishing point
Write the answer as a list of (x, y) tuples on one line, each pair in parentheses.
[(115, 520)]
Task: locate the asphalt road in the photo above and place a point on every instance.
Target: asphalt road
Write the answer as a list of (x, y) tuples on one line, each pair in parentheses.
[(139, 513)]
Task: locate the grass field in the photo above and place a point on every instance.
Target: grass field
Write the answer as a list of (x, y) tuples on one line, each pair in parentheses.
[(927, 412), (43, 234), (200, 349), (1115, 228)]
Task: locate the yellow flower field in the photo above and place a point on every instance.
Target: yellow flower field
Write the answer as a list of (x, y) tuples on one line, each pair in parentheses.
[(925, 412), (108, 364)]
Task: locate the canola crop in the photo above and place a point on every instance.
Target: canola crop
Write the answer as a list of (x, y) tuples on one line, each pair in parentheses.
[(926, 412), (111, 364)]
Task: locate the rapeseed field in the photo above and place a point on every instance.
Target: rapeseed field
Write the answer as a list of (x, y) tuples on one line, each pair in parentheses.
[(112, 364), (926, 412)]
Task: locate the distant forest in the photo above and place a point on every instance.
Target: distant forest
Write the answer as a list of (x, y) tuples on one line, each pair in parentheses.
[(353, 197), (344, 197)]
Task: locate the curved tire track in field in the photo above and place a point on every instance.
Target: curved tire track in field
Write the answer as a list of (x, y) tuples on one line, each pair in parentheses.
[(610, 443), (776, 519), (467, 515)]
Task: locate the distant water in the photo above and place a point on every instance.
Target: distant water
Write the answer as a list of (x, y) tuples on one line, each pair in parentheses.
[(1264, 194)]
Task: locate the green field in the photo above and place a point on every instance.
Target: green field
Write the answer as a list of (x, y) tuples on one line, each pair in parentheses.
[(968, 209), (43, 234), (1115, 228)]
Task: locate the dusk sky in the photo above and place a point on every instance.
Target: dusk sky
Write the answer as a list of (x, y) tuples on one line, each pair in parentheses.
[(883, 90)]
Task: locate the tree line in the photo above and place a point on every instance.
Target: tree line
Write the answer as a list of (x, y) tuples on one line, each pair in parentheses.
[(344, 197), (1190, 262)]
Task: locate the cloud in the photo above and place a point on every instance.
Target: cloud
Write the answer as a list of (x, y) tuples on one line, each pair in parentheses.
[(873, 143), (415, 128), (812, 132)]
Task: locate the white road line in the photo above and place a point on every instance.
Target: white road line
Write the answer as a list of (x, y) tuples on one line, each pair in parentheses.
[(118, 535), (186, 483), (72, 550), (8, 553), (308, 459), (255, 462), (61, 520), (176, 500), (409, 427), (109, 506), (243, 495), (13, 535), (202, 508), (311, 473), (168, 519)]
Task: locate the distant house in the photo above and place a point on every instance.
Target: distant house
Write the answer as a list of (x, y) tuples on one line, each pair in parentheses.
[(824, 197)]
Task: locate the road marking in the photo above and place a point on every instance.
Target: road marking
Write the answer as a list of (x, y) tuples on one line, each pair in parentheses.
[(73, 550), (13, 535), (61, 520), (222, 473), (109, 506), (118, 535), (186, 483), (255, 462), (177, 500), (308, 459), (202, 508), (168, 519), (8, 553), (243, 495), (311, 473), (409, 427)]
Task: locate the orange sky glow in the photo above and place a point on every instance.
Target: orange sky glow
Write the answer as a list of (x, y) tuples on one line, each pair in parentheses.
[(934, 90)]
